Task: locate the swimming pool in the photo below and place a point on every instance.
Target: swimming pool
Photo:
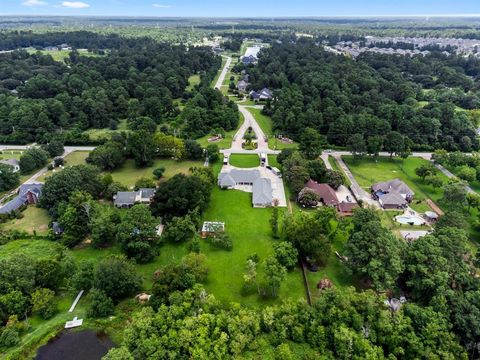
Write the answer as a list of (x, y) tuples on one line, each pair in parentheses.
[(409, 220)]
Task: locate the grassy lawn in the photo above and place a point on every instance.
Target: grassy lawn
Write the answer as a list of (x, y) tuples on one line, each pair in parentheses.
[(72, 159), (265, 123), (60, 55), (368, 172), (244, 161), (192, 82), (39, 249), (128, 174), (10, 154), (250, 232), (226, 142), (96, 134), (34, 219)]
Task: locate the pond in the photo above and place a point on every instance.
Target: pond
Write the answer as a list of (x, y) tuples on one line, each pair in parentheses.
[(69, 345)]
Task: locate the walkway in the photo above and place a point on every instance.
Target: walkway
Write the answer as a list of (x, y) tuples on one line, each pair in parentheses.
[(221, 78)]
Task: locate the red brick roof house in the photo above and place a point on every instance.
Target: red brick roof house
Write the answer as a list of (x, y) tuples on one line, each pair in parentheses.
[(346, 208), (327, 195)]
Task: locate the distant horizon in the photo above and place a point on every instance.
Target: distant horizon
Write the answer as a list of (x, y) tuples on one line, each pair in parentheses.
[(245, 9)]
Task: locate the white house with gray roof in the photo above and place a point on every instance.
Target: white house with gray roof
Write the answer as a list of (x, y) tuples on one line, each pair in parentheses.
[(261, 187), (126, 199)]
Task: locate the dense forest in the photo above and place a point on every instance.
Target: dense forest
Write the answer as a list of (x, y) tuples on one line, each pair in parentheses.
[(135, 79), (372, 95)]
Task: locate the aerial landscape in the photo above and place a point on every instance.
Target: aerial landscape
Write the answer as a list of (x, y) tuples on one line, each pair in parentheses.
[(206, 180)]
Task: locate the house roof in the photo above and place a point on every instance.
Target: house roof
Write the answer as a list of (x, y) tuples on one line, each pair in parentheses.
[(392, 198), (147, 193), (396, 185), (242, 84), (324, 191), (347, 206), (262, 94), (21, 198), (125, 197), (235, 176), (11, 162), (262, 192)]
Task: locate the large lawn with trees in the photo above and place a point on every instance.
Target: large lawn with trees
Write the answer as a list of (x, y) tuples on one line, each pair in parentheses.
[(128, 174), (251, 233), (368, 171), (34, 220)]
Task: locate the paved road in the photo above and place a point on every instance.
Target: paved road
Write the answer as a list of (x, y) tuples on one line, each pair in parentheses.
[(219, 82)]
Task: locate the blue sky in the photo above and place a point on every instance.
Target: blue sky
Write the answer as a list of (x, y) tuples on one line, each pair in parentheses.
[(240, 8)]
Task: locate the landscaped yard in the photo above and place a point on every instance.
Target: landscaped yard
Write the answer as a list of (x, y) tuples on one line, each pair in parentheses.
[(250, 231), (244, 161), (226, 142), (34, 219), (128, 174), (368, 171)]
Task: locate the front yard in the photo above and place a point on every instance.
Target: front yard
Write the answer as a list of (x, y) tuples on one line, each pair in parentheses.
[(244, 161)]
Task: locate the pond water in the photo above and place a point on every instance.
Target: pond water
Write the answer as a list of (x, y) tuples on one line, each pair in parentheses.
[(69, 345)]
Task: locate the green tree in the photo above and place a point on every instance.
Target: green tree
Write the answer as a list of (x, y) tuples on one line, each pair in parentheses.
[(179, 229), (116, 277), (158, 172), (108, 156), (54, 148), (141, 146), (394, 143), (311, 143), (357, 146), (32, 159), (100, 304), (8, 178), (118, 353), (44, 303), (455, 195), (374, 145), (425, 170), (334, 178), (103, 227), (137, 234), (274, 221), (275, 273), (213, 153), (376, 253), (286, 254), (144, 183)]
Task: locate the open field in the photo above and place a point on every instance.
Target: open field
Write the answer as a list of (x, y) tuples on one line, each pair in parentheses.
[(60, 55), (72, 159), (250, 232), (96, 134), (244, 161), (369, 171), (34, 220), (192, 82), (128, 174)]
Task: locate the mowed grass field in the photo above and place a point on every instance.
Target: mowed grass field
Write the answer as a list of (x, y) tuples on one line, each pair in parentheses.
[(368, 171), (250, 232), (72, 159), (128, 174), (35, 220), (244, 161)]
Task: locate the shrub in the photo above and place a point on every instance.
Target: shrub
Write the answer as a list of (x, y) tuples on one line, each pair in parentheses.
[(100, 304)]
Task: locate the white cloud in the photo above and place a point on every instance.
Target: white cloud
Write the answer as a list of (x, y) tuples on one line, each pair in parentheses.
[(75, 4), (33, 3), (161, 6)]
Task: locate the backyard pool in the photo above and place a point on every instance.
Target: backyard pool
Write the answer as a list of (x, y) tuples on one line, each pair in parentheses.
[(409, 220)]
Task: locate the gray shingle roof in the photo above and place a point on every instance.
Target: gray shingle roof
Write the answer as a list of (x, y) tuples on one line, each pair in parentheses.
[(147, 193), (125, 198), (238, 176), (11, 162), (392, 198), (21, 199), (396, 185), (262, 192)]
